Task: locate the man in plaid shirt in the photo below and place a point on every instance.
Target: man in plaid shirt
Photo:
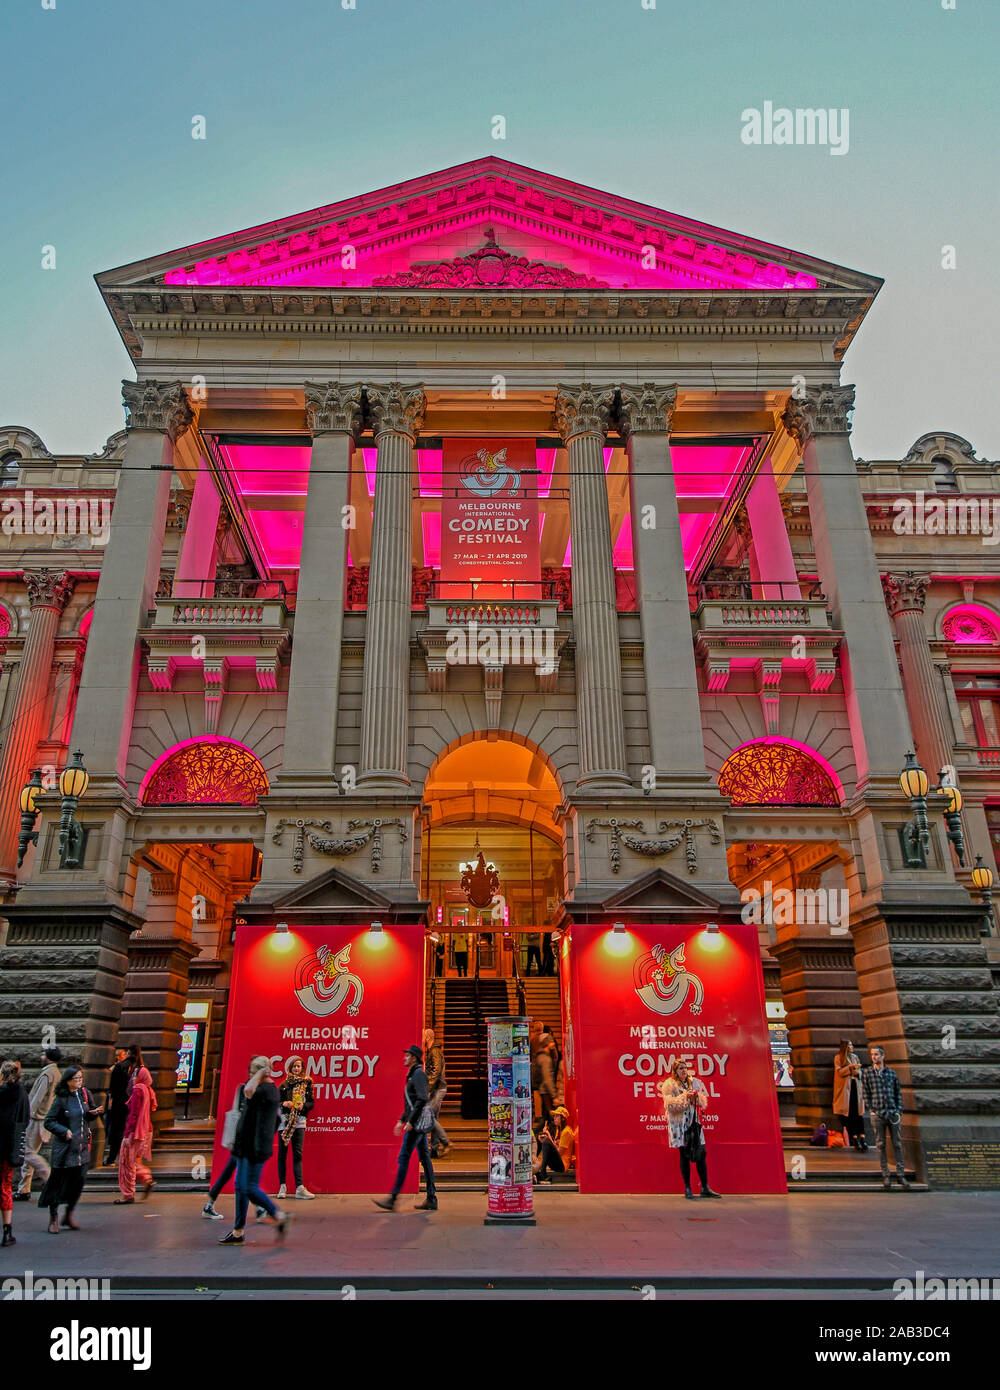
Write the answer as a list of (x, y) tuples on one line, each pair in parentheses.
[(884, 1100)]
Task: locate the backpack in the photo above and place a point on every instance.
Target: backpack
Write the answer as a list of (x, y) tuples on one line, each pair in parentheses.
[(819, 1137)]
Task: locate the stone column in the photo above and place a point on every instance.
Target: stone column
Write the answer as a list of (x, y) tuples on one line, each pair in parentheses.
[(582, 416), (194, 563), (333, 414), (397, 415), (48, 593), (777, 575), (158, 413), (673, 711), (905, 595), (848, 571)]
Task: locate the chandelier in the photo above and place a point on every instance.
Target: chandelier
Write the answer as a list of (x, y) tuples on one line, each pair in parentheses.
[(480, 881)]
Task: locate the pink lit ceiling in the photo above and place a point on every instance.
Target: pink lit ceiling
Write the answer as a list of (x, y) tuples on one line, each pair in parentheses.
[(488, 224), (270, 481)]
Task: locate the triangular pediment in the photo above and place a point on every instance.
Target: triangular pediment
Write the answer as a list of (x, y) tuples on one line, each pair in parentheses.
[(333, 897), (655, 896), (333, 889), (484, 225)]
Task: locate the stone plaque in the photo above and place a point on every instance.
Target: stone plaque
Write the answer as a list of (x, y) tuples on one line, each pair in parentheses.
[(963, 1164)]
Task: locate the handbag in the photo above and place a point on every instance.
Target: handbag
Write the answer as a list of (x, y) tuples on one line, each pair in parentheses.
[(426, 1121), (231, 1120)]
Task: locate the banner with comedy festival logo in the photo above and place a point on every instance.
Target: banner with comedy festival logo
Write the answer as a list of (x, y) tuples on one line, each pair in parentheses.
[(489, 519)]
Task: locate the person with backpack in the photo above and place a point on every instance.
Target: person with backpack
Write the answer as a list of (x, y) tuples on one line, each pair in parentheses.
[(252, 1147), (415, 1123), (15, 1116), (684, 1097)]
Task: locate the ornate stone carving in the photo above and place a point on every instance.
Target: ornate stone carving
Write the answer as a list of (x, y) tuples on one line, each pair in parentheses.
[(562, 586), (654, 848), (421, 583), (396, 408), (331, 407), (905, 592), (359, 834), (825, 410), (583, 409), (357, 586), (968, 627), (207, 774), (646, 409), (157, 405), (775, 774), (49, 588), (491, 267)]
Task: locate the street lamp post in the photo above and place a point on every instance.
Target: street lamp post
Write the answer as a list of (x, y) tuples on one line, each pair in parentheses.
[(29, 815), (914, 836), (73, 783)]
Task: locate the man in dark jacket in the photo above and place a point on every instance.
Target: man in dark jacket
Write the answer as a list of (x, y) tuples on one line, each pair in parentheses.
[(116, 1106), (884, 1100), (414, 1124)]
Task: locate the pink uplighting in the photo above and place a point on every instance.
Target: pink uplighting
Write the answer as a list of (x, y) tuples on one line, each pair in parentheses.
[(970, 624)]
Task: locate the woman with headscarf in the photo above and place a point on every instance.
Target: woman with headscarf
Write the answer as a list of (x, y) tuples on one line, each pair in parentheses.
[(134, 1154), (15, 1115), (68, 1121)]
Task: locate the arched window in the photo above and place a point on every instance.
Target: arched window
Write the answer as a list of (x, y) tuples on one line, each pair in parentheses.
[(970, 625), (944, 474), (10, 470), (205, 772), (774, 772)]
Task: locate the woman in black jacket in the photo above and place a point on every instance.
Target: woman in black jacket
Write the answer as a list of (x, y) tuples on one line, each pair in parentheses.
[(297, 1100), (15, 1112), (68, 1121), (252, 1147)]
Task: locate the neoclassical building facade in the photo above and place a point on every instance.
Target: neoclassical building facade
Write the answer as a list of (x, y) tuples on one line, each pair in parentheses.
[(696, 674)]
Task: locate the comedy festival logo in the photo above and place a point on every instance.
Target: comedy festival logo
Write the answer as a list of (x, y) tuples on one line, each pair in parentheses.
[(488, 474), (662, 983), (323, 981)]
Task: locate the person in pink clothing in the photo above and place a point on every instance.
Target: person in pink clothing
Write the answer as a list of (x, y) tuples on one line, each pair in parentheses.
[(133, 1157)]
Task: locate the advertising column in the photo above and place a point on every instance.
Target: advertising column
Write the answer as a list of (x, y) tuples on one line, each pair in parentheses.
[(641, 999), (509, 1065), (347, 1001)]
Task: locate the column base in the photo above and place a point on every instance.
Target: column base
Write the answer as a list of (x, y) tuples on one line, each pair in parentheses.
[(381, 781)]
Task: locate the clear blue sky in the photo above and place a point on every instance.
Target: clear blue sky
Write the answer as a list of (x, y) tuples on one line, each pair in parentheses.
[(307, 102)]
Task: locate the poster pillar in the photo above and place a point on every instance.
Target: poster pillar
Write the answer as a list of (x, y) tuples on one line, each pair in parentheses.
[(510, 1193)]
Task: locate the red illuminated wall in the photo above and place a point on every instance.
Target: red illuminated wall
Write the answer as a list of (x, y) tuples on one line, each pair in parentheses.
[(618, 1047), (350, 1146)]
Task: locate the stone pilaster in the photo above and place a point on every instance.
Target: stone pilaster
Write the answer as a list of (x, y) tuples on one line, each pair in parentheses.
[(155, 993), (849, 574), (48, 593), (582, 416), (674, 714), (158, 413), (333, 413), (905, 596), (397, 414), (929, 1000)]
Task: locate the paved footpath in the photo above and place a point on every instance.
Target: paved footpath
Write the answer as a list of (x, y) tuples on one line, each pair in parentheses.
[(837, 1243)]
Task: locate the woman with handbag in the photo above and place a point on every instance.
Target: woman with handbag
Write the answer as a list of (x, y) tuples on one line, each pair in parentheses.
[(230, 1123), (252, 1147), (68, 1121), (684, 1097), (848, 1095)]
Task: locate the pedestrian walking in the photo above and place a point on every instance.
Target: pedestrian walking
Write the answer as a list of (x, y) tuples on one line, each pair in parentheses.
[(437, 1086), (884, 1099), (252, 1147), (546, 1064), (116, 1106), (229, 1126), (414, 1124), (68, 1121), (137, 1140), (848, 1097), (15, 1116), (40, 1099), (461, 953), (534, 942), (684, 1097), (297, 1099)]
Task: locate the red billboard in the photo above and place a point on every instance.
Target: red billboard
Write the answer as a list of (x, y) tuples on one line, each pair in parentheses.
[(489, 518), (636, 1000), (348, 1002)]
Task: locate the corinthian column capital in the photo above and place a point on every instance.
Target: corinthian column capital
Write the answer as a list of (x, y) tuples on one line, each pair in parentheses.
[(333, 408), (822, 410), (646, 409), (49, 588), (905, 593), (582, 410), (396, 409), (157, 405)]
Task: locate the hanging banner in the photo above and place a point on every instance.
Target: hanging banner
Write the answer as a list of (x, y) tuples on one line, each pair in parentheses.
[(489, 518), (348, 1002), (509, 1193), (639, 998)]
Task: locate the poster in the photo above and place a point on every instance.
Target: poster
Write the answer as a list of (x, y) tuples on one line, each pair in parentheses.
[(348, 1002), (509, 1126), (489, 519), (638, 999)]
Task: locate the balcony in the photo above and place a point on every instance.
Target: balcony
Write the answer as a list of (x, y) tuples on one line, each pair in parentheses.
[(217, 628), (514, 626), (988, 757), (734, 629)]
